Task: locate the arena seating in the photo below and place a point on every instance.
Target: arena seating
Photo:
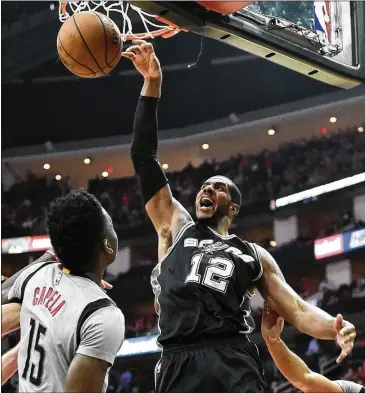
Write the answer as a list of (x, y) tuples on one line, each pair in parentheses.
[(261, 177)]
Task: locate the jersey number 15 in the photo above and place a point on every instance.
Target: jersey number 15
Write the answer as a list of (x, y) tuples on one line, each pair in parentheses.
[(37, 330)]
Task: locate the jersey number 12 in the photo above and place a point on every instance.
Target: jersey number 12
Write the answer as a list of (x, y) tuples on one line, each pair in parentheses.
[(215, 275), (36, 331)]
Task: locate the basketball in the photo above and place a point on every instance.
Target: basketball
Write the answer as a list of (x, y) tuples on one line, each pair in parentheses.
[(89, 44)]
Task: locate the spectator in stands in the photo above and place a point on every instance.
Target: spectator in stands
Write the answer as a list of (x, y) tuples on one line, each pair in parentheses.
[(325, 286), (125, 383), (359, 290)]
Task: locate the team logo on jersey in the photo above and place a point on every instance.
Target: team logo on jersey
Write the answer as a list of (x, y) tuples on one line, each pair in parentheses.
[(208, 246), (58, 278), (215, 247)]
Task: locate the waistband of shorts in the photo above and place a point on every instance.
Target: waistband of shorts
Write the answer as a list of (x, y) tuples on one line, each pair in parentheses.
[(205, 343)]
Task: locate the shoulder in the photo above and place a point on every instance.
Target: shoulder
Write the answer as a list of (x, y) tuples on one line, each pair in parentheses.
[(101, 316), (17, 288), (102, 334)]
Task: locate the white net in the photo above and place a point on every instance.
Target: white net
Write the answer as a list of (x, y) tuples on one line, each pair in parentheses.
[(66, 9)]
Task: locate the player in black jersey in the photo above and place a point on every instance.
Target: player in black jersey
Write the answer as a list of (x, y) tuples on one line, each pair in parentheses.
[(204, 275)]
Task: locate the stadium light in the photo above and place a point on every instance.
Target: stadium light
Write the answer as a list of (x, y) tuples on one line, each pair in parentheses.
[(333, 119), (165, 166), (105, 174), (360, 129), (46, 166), (87, 160), (271, 132), (317, 191), (58, 177), (205, 146)]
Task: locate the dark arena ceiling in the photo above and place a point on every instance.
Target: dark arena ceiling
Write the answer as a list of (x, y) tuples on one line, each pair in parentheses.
[(43, 102)]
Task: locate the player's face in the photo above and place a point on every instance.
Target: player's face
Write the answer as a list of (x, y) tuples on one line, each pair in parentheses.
[(111, 237), (213, 200)]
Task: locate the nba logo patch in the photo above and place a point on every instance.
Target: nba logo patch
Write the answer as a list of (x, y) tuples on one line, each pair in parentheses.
[(58, 278), (215, 247), (322, 19)]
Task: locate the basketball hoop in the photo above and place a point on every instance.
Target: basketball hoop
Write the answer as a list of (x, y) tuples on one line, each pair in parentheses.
[(66, 9)]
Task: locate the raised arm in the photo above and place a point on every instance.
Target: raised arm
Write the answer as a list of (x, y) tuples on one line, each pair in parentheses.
[(290, 365), (308, 319), (166, 213)]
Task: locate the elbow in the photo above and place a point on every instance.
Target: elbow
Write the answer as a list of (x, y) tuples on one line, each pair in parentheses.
[(299, 316), (308, 383)]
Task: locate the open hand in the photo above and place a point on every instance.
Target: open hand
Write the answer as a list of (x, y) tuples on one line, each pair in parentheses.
[(272, 324), (144, 59), (345, 338)]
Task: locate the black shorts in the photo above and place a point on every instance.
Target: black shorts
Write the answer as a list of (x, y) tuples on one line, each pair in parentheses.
[(216, 367)]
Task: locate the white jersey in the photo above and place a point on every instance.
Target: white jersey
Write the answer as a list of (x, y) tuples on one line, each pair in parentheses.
[(62, 315), (350, 387)]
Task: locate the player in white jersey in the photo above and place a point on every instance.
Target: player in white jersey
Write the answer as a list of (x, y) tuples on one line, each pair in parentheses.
[(71, 330), (292, 367)]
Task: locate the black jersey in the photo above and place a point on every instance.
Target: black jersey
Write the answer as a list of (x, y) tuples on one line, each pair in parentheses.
[(201, 286)]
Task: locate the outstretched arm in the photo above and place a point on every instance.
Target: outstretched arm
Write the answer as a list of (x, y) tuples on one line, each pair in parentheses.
[(290, 365), (308, 319), (166, 213)]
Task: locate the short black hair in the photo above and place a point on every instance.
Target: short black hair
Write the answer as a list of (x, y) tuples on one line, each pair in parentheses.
[(76, 226), (236, 195)]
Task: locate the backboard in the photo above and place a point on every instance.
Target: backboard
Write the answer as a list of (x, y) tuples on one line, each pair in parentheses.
[(324, 40)]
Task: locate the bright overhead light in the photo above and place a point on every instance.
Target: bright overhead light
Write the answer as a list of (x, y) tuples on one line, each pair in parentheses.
[(105, 174), (165, 166), (46, 166), (205, 146), (360, 129), (333, 119), (58, 177), (271, 132), (87, 161), (272, 243)]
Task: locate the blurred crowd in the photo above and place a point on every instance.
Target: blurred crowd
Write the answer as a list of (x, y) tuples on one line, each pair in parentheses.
[(138, 381), (261, 177)]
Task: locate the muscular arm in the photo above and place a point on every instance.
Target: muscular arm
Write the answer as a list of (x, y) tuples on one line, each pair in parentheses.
[(9, 364), (165, 212), (297, 372), (285, 301), (86, 374), (10, 318)]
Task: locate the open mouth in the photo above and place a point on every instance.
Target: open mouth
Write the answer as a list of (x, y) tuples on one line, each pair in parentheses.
[(206, 203)]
